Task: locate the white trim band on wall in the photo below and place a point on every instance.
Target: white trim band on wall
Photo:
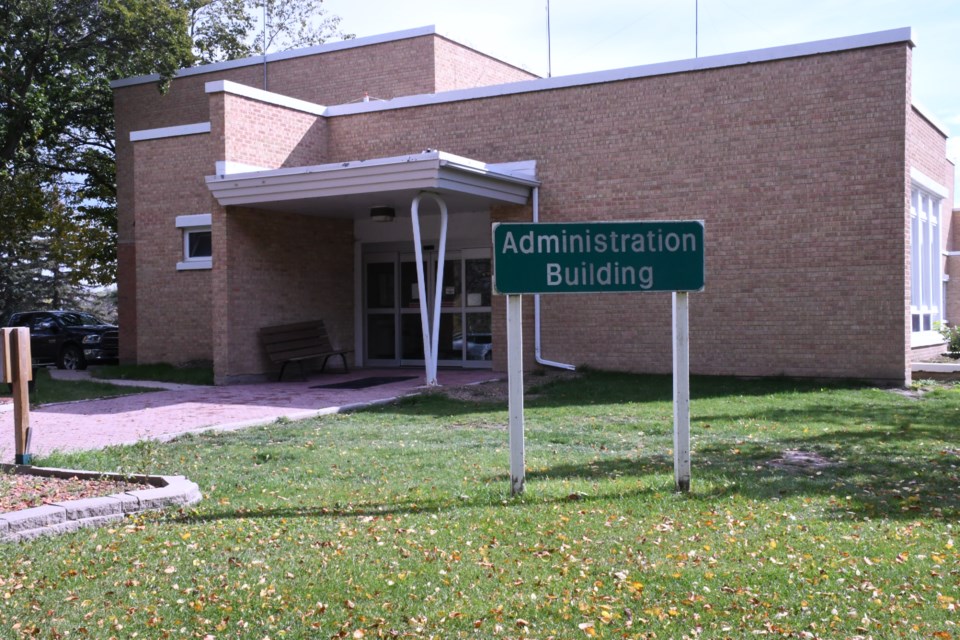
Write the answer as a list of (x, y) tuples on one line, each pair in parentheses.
[(927, 183), (170, 132), (194, 220), (195, 265), (268, 97), (227, 167)]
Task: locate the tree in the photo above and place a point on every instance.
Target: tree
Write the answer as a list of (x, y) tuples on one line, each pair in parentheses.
[(56, 60), (39, 239), (231, 29), (57, 151), (57, 185)]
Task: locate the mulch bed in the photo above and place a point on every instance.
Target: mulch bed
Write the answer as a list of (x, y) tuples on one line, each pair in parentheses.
[(19, 491)]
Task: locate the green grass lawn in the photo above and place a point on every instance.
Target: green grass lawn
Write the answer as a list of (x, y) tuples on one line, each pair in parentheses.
[(47, 390), (161, 372), (397, 522)]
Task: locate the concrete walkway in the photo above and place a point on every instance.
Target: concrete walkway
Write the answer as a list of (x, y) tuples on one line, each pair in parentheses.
[(162, 415)]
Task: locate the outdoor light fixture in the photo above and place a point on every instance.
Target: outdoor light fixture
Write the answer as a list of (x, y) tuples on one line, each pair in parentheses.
[(382, 214)]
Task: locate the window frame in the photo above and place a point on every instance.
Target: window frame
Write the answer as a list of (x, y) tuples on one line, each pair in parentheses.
[(189, 225), (926, 260)]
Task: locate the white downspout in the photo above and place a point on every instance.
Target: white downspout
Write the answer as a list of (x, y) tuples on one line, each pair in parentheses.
[(536, 304)]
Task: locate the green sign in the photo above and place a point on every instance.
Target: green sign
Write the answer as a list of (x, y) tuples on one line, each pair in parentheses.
[(598, 257)]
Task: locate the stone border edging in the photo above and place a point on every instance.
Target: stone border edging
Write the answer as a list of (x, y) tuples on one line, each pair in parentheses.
[(70, 515), (935, 367)]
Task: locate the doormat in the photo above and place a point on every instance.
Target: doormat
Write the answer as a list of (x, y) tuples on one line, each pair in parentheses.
[(363, 383)]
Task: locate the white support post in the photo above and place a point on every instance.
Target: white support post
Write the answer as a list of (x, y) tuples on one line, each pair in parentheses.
[(515, 392), (431, 332), (681, 391)]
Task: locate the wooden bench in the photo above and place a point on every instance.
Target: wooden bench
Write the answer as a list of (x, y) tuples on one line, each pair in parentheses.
[(298, 342)]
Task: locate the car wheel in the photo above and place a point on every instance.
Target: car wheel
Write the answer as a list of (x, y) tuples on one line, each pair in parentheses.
[(71, 357)]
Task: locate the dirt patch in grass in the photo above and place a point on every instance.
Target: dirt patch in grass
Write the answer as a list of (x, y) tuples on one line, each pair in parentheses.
[(497, 391), (801, 461), (24, 491)]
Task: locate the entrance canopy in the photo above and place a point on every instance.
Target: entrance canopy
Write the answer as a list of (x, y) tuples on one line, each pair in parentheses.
[(352, 189), (344, 189)]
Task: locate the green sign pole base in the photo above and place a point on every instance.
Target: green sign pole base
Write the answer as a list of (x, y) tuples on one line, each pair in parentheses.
[(23, 458)]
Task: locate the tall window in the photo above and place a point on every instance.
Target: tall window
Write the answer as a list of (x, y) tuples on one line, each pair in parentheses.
[(926, 271)]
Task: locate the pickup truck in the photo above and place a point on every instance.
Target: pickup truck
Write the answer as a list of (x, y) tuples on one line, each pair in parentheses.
[(68, 339)]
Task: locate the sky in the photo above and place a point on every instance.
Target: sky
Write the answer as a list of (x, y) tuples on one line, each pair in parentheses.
[(594, 35)]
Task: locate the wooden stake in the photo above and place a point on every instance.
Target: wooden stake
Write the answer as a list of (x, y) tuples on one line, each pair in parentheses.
[(6, 369), (22, 369)]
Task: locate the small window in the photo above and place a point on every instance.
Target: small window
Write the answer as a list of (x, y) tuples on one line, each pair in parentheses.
[(197, 242)]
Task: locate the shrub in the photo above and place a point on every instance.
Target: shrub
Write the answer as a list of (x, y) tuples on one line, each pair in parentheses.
[(951, 335)]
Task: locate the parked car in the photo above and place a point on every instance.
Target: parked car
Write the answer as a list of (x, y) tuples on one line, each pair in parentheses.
[(68, 339), (479, 345)]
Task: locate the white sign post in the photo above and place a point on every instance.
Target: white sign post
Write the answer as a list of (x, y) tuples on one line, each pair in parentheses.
[(681, 391), (515, 392), (600, 257)]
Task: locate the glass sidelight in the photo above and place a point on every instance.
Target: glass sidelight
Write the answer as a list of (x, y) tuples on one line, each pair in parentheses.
[(381, 309), (393, 330)]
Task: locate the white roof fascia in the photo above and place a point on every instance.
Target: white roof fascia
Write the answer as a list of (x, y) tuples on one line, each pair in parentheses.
[(235, 88), (170, 132), (428, 170), (520, 169), (630, 73), (430, 156), (318, 168), (927, 115), (467, 164), (465, 183), (283, 55)]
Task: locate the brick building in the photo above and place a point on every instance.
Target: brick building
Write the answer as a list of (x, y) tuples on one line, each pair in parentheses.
[(259, 192)]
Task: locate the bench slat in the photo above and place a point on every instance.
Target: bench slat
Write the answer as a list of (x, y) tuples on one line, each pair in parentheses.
[(303, 352), (299, 341)]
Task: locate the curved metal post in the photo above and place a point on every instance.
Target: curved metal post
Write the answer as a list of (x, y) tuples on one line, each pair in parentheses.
[(431, 330)]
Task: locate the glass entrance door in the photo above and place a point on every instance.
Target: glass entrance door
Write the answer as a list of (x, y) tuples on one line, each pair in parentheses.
[(393, 333)]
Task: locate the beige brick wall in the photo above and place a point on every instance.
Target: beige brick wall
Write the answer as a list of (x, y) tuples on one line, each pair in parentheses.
[(269, 136), (271, 267), (799, 167), (278, 268), (385, 70), (795, 166), (458, 67), (174, 308)]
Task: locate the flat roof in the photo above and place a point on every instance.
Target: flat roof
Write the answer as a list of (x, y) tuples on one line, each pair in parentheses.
[(892, 36), (345, 188), (878, 38), (283, 55)]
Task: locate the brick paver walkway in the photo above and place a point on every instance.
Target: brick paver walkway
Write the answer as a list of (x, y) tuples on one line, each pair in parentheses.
[(162, 415)]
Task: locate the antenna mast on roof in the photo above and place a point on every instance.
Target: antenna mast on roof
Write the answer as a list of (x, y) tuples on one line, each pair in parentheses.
[(696, 28), (549, 53), (265, 45)]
